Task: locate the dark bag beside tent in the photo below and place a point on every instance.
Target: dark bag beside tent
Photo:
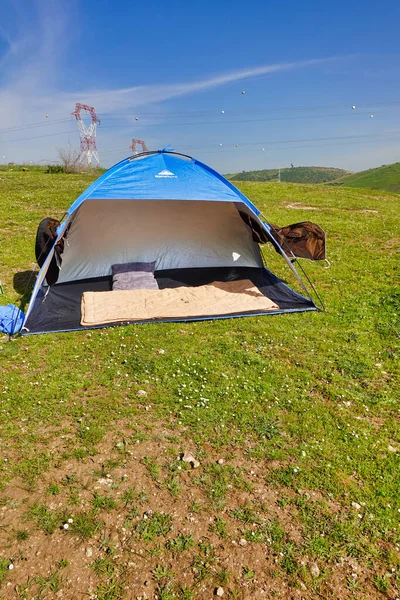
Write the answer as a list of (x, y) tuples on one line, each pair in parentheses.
[(303, 240), (46, 237)]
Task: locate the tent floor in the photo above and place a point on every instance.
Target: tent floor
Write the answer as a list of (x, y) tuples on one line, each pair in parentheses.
[(60, 308)]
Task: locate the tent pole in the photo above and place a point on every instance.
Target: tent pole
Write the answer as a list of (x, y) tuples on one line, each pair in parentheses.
[(42, 273), (290, 264)]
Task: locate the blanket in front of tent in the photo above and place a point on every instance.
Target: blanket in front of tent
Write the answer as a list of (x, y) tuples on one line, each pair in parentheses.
[(217, 298)]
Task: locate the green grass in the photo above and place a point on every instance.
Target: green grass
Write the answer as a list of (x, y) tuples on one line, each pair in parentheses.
[(21, 535), (86, 524), (181, 543), (219, 527), (101, 502), (154, 525), (4, 564), (386, 177), (46, 519), (247, 573), (303, 409)]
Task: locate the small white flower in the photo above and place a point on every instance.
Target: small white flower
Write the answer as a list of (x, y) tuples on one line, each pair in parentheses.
[(10, 567), (65, 526), (70, 521)]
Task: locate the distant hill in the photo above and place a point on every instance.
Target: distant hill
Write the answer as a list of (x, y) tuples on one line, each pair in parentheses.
[(292, 175), (386, 177)]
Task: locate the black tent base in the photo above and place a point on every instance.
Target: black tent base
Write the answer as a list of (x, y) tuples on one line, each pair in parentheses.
[(58, 308)]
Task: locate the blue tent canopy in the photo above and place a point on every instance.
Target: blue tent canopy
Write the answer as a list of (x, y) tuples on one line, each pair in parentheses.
[(162, 176)]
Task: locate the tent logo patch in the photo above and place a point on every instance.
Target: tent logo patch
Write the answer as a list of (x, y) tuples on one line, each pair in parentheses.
[(165, 174)]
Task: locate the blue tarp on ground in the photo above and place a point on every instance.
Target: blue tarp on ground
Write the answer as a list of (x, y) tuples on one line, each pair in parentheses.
[(11, 319)]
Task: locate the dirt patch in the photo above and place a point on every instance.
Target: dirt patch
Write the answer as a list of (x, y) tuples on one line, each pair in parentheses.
[(298, 206), (135, 521), (392, 243)]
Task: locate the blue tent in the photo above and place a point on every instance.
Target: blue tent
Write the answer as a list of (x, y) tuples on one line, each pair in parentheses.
[(168, 210)]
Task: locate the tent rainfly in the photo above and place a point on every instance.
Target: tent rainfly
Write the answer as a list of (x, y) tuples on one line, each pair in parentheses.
[(159, 237)]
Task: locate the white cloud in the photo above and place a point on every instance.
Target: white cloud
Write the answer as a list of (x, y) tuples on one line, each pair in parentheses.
[(21, 103), (115, 100)]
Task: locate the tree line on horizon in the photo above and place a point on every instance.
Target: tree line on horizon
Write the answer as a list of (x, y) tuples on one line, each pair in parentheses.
[(292, 175)]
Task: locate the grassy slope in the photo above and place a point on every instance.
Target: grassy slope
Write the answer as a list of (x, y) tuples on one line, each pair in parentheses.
[(382, 178), (303, 409), (292, 175)]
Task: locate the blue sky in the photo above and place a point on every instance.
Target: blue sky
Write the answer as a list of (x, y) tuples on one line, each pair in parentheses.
[(176, 66)]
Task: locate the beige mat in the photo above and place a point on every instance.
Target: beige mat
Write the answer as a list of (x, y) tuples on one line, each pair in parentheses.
[(218, 298)]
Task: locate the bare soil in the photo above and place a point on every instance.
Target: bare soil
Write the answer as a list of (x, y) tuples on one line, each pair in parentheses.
[(61, 564)]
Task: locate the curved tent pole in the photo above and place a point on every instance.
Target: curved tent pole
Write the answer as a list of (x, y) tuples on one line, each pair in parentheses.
[(37, 286)]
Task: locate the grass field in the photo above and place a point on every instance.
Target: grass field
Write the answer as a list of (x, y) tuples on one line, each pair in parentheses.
[(386, 178), (294, 420)]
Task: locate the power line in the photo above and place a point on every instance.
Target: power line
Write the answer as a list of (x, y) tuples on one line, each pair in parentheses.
[(237, 121), (222, 120), (273, 142), (36, 137), (269, 142), (256, 146), (216, 113), (33, 125), (238, 149)]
